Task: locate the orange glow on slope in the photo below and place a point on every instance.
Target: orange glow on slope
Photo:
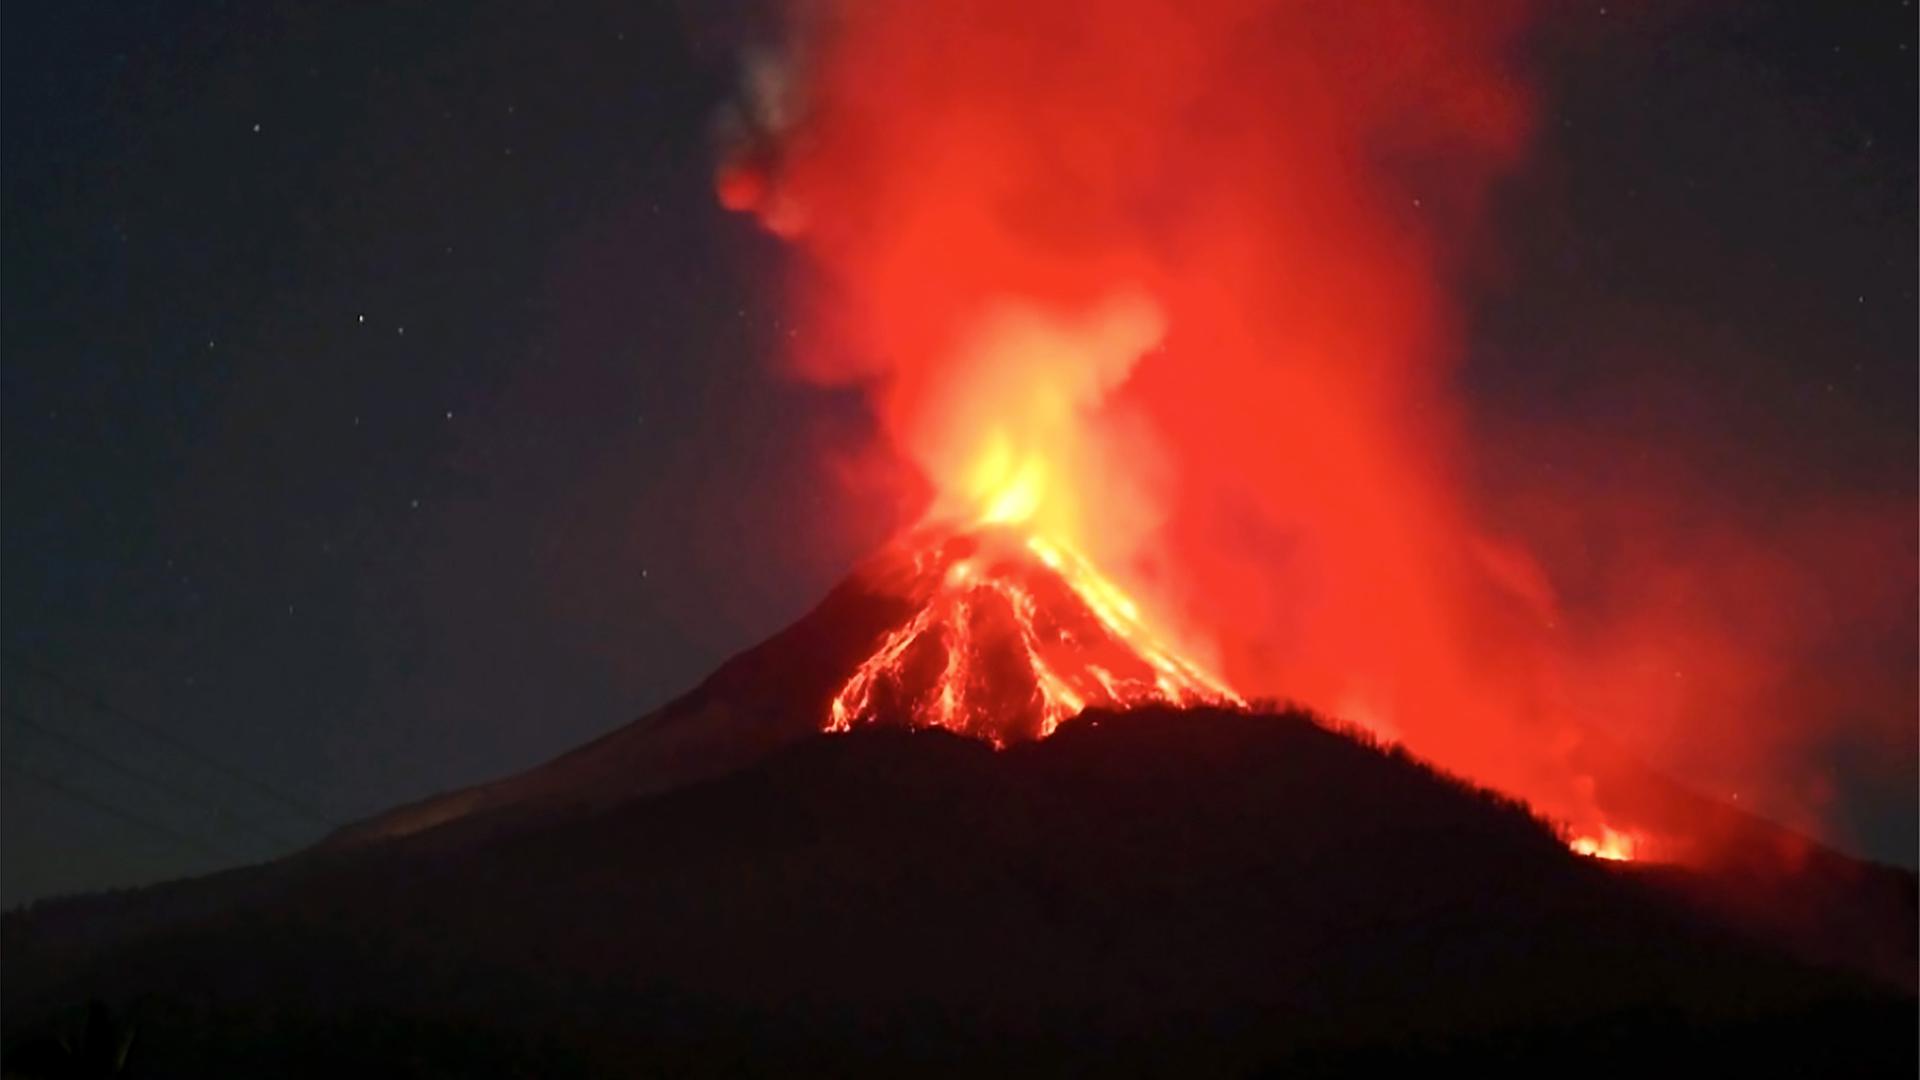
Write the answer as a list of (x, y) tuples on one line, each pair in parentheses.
[(1610, 845), (1013, 632)]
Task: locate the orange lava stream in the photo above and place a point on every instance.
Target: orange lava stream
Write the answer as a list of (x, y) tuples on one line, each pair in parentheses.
[(1016, 654), (1611, 844)]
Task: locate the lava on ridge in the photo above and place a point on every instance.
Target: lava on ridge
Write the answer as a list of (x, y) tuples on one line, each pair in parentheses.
[(1009, 634)]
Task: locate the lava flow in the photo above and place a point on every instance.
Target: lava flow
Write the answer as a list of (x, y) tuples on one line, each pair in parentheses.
[(1611, 844), (1011, 634)]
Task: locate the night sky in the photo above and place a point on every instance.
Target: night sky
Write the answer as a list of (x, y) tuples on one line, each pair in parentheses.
[(387, 406)]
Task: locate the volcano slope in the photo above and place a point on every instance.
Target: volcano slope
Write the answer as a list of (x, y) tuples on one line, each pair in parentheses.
[(1194, 892)]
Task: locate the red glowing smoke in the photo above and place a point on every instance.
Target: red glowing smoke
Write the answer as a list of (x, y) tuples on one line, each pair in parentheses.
[(1182, 269)]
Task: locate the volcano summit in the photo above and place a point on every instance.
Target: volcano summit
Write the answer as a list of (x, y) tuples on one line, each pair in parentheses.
[(1010, 635)]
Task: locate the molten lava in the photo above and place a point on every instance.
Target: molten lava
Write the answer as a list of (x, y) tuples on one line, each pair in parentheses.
[(1611, 844), (1010, 634)]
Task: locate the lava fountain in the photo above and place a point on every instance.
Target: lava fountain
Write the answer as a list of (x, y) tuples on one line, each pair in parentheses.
[(1015, 628)]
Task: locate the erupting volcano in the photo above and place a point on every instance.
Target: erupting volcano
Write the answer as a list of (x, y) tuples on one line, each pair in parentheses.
[(1156, 313), (1248, 635), (1168, 305), (1010, 635)]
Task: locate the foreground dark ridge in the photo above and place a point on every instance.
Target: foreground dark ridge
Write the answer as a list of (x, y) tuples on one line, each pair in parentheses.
[(1192, 893)]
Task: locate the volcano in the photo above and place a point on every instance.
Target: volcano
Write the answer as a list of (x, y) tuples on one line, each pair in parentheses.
[(986, 630), (971, 815)]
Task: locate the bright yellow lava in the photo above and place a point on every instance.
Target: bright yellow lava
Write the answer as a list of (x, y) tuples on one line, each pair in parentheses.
[(1083, 646), (1612, 845)]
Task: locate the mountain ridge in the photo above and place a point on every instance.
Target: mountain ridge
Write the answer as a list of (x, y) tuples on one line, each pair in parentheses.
[(1161, 888)]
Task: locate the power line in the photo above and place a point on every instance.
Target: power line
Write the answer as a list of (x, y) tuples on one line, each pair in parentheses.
[(100, 704), (182, 793), (94, 801)]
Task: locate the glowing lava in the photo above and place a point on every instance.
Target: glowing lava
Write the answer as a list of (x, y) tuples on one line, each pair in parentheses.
[(1611, 845), (1011, 633)]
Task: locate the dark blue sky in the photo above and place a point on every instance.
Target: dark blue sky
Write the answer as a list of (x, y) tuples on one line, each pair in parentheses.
[(386, 405)]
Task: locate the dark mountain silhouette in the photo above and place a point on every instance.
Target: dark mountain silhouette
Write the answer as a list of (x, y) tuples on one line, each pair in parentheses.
[(1192, 892), (719, 888)]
